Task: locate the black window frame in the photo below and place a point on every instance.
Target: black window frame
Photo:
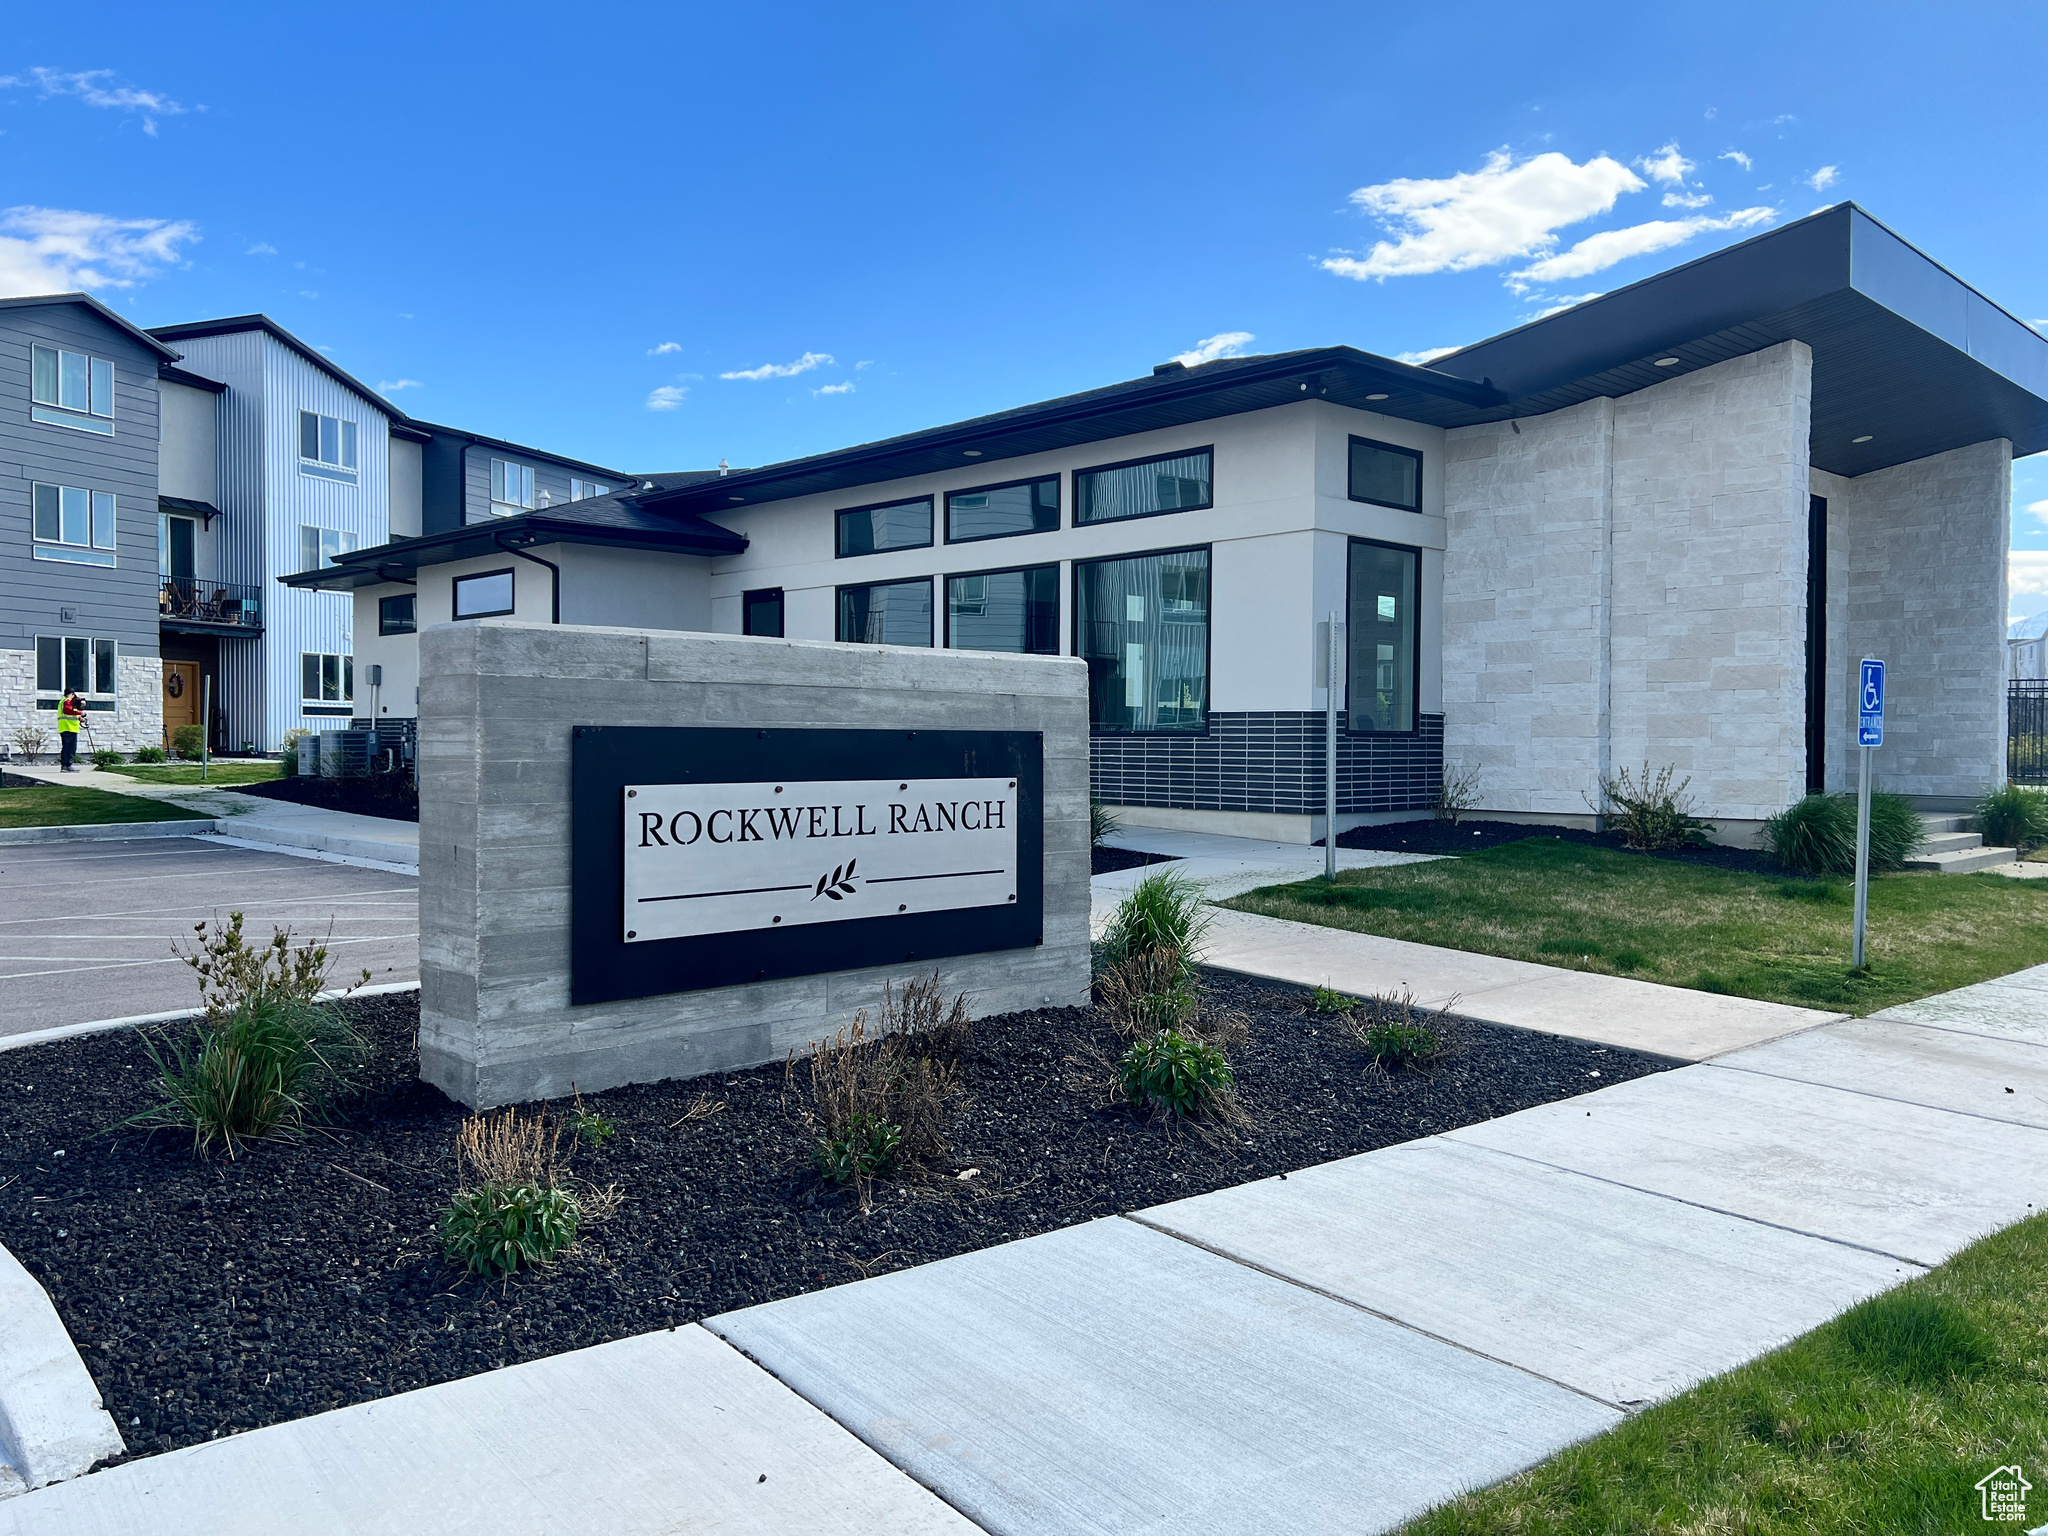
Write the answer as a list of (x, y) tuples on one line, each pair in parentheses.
[(1208, 639), (455, 588), (781, 612), (1059, 512), (1415, 628), (1374, 501), (946, 600), (412, 617), (1150, 458), (931, 613), (840, 514)]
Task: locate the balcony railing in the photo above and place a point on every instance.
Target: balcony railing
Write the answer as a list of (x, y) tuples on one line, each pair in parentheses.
[(189, 600)]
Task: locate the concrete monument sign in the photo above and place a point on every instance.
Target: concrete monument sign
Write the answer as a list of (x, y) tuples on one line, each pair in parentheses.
[(648, 854)]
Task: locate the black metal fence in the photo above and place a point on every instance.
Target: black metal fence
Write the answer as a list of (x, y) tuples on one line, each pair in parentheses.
[(2026, 730)]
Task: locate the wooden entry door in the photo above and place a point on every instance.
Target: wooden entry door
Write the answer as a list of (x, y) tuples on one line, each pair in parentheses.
[(181, 696)]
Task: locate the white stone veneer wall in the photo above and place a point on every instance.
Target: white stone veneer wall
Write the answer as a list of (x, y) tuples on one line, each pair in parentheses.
[(136, 721)]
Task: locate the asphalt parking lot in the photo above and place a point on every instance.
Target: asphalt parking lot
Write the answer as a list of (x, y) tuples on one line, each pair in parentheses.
[(86, 928)]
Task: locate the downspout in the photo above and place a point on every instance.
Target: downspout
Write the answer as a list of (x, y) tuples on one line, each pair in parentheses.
[(554, 572)]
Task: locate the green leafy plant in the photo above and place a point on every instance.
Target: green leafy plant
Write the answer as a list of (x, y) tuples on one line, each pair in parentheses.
[(588, 1127), (1649, 811), (188, 741), (864, 1150), (1173, 1074), (149, 755), (1396, 1031), (493, 1230), (1329, 1000), (269, 1067), (1457, 794), (1102, 824), (1817, 835), (106, 758), (1164, 911), (2013, 817), (290, 751)]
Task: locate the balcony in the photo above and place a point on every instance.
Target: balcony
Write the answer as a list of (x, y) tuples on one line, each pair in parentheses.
[(188, 605)]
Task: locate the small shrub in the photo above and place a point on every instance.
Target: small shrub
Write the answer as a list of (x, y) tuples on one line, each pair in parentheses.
[(1914, 1337), (189, 742), (863, 1151), (1651, 812), (149, 755), (31, 741), (1174, 1075), (1457, 794), (1396, 1031), (1103, 824), (589, 1128), (493, 1230), (106, 758), (1164, 911), (232, 971), (266, 1069), (1329, 1000), (2013, 817)]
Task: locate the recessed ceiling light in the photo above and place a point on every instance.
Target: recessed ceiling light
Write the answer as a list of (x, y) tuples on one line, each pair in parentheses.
[(970, 453), (1375, 397), (735, 498), (1667, 362), (1863, 439)]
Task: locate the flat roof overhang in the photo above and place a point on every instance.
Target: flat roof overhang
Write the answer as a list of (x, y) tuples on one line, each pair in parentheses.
[(402, 559)]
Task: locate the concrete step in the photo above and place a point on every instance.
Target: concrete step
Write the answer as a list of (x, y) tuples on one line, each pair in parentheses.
[(1936, 824), (1964, 861), (1951, 842)]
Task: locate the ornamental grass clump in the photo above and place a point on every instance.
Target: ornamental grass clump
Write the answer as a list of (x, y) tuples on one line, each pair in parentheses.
[(1817, 835), (512, 1208), (1164, 912), (2013, 817)]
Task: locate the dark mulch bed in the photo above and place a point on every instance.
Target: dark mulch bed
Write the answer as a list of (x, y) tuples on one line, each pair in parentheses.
[(377, 795), (1472, 836), (1109, 860), (209, 1296)]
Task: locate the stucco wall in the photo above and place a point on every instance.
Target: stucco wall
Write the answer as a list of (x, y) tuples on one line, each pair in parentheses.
[(188, 456), (499, 702)]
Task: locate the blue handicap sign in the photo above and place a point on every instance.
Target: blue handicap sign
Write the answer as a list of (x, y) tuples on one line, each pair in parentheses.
[(1870, 705)]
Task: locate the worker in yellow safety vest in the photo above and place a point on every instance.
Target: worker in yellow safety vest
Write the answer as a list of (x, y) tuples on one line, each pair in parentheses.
[(70, 715)]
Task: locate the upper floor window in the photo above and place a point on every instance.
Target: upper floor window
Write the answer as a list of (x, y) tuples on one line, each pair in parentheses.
[(320, 547), (72, 389), (1173, 482), (75, 664), (583, 490), (327, 447), (73, 524), (893, 525), (396, 615), (483, 596), (511, 488), (1385, 475), (995, 511)]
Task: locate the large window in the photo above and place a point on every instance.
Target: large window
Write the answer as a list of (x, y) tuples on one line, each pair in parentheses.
[(893, 525), (321, 547), (327, 447), (1005, 611), (1385, 598), (761, 612), (1142, 625), (997, 511), (888, 612), (325, 678), (511, 488), (68, 663), (1385, 475), (483, 596), (398, 615), (72, 389), (583, 490), (72, 524), (1172, 483)]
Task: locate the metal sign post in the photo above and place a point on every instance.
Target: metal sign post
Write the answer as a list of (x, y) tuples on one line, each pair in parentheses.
[(1333, 673), (206, 728), (1869, 733)]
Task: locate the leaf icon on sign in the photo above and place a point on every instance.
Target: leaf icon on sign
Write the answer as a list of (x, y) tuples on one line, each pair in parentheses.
[(838, 884)]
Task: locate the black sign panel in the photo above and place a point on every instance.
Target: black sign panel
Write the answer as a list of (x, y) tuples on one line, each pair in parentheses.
[(735, 822)]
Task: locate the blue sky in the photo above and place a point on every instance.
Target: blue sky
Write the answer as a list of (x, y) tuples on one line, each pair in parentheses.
[(657, 236)]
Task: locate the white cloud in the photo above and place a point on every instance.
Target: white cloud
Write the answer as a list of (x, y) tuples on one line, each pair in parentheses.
[(667, 397), (309, 293), (1824, 178), (58, 250), (1737, 156), (844, 388), (393, 386), (1667, 165), (803, 364), (2039, 509), (261, 248), (665, 348), (1497, 213), (2026, 572), (864, 363), (1222, 344), (1425, 357), (1596, 253), (1687, 199), (90, 87)]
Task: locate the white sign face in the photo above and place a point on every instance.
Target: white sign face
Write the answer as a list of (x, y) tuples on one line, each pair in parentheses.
[(731, 858)]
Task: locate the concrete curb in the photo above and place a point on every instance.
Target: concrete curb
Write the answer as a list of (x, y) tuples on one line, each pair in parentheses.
[(345, 853), (101, 1026), (52, 1423), (109, 831)]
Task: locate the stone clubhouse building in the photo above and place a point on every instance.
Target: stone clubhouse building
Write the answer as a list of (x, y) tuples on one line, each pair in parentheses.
[(1658, 528)]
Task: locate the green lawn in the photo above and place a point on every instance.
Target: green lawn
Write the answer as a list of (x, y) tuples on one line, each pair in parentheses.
[(1595, 909), (225, 771), (1881, 1421), (62, 805)]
